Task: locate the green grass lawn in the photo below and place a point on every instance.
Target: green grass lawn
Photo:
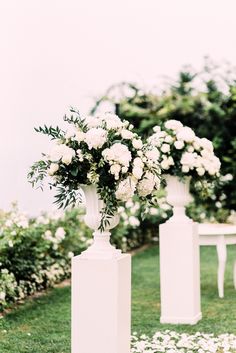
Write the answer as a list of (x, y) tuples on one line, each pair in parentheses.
[(42, 325)]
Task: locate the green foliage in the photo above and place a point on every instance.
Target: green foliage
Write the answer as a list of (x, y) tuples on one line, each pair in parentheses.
[(204, 101)]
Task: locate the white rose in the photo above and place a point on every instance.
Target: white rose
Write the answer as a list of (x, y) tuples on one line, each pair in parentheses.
[(153, 154), (138, 162), (165, 164), (185, 169), (126, 134), (188, 159), (92, 122), (137, 144), (134, 221), (200, 171), (173, 124), (168, 139), (67, 158), (53, 169), (207, 144), (186, 134), (124, 170), (179, 144), (80, 136), (190, 149), (95, 138), (108, 154), (137, 172), (146, 185), (125, 190), (165, 148)]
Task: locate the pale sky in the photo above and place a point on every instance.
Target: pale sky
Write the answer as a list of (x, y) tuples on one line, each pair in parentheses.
[(56, 53)]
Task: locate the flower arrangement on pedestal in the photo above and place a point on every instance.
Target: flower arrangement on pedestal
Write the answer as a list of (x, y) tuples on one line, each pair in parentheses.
[(183, 155), (101, 151)]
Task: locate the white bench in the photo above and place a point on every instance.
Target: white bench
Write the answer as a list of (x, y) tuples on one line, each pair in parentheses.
[(219, 235)]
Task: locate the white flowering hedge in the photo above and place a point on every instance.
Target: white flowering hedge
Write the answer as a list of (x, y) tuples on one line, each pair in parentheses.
[(182, 153), (174, 342), (36, 253), (99, 150)]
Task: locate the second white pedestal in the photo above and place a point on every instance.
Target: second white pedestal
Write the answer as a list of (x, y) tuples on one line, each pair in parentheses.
[(101, 305), (180, 272)]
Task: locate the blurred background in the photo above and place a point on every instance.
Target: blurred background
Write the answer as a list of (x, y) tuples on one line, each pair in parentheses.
[(56, 54)]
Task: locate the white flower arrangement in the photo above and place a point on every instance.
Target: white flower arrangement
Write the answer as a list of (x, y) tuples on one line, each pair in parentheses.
[(182, 153), (100, 150)]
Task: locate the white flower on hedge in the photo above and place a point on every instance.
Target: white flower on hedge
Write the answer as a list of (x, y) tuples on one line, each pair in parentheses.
[(165, 148), (70, 254), (146, 185), (173, 124), (134, 221), (126, 189), (137, 144), (95, 137), (53, 169), (112, 121), (137, 172), (115, 170), (126, 134), (80, 136), (60, 234), (2, 296), (186, 134)]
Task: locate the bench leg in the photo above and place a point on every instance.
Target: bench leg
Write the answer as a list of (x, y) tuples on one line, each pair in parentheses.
[(222, 257)]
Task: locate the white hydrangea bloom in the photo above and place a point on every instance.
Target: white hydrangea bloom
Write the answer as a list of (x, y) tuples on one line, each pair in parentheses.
[(112, 121), (173, 124), (118, 153), (186, 134), (95, 137)]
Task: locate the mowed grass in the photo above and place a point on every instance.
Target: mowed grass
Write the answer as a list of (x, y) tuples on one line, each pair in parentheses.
[(42, 325)]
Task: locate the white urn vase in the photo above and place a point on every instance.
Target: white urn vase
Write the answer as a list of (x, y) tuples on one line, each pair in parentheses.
[(101, 247), (178, 195)]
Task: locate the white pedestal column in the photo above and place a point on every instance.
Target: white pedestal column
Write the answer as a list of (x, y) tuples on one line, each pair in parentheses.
[(179, 262), (101, 304)]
